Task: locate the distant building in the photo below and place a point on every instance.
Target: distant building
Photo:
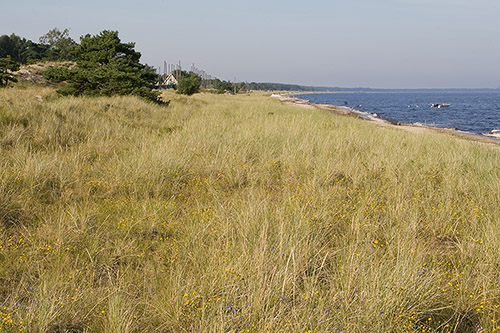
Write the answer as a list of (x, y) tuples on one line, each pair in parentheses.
[(170, 81)]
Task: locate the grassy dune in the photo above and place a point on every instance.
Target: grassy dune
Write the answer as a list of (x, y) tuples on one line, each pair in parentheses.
[(239, 214)]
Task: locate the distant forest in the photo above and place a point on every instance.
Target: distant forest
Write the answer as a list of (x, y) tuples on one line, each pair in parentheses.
[(279, 86), (293, 87)]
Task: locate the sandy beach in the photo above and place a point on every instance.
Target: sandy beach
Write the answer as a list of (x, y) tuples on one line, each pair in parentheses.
[(347, 111)]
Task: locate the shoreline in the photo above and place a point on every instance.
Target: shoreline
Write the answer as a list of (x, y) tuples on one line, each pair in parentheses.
[(288, 99)]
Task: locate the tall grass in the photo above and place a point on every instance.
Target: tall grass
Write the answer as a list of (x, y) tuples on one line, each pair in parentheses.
[(238, 213)]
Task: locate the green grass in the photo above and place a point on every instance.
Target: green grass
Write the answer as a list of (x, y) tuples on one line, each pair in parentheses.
[(238, 213)]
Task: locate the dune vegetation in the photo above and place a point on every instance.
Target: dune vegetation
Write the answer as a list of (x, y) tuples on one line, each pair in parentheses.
[(239, 214)]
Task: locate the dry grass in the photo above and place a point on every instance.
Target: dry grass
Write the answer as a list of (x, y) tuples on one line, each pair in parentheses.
[(237, 213)]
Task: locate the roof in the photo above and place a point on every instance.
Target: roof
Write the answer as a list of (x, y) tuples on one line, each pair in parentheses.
[(170, 80)]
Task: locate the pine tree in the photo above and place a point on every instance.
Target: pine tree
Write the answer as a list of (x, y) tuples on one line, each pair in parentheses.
[(106, 67), (7, 66)]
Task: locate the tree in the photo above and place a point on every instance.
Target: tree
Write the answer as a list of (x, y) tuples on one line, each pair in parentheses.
[(189, 85), (106, 67), (13, 46), (7, 66), (34, 52), (223, 86), (58, 43), (20, 49)]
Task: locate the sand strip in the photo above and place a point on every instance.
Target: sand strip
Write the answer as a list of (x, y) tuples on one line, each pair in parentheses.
[(346, 111)]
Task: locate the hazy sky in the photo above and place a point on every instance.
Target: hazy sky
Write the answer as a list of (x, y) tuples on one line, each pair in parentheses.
[(347, 43)]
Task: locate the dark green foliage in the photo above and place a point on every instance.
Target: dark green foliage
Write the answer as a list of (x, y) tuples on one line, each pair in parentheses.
[(54, 45), (106, 67), (33, 52), (7, 66), (12, 46), (189, 85), (20, 49), (223, 86), (56, 74), (293, 87)]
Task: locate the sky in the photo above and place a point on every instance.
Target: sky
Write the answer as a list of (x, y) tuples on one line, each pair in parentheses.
[(335, 43)]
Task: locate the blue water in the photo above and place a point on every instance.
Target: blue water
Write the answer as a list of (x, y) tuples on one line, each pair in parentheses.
[(475, 112)]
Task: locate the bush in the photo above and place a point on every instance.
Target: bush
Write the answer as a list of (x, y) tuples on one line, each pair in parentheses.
[(223, 86), (189, 85), (56, 74)]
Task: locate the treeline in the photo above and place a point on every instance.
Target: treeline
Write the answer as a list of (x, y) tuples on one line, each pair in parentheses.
[(290, 87), (276, 86), (52, 46), (226, 86)]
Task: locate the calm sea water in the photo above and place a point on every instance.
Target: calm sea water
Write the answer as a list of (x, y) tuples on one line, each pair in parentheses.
[(475, 112)]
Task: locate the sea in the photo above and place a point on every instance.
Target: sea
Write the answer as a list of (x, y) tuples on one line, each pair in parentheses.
[(474, 112)]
